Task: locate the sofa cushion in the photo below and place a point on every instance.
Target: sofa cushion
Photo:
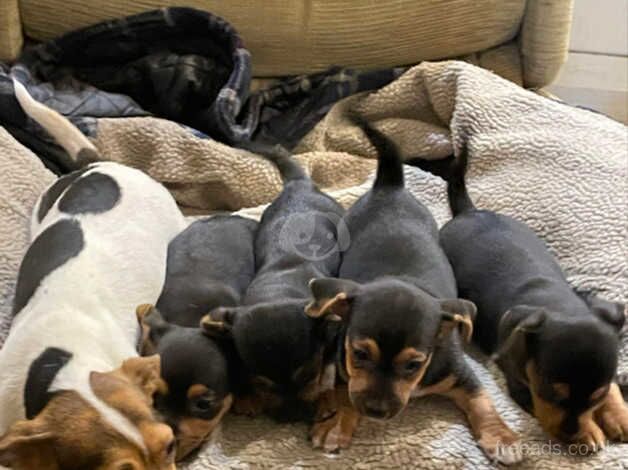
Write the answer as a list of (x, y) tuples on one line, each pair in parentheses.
[(293, 37), (10, 30)]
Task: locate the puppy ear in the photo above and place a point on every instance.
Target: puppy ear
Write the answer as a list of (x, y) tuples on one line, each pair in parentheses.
[(153, 327), (331, 297), (457, 313), (145, 372), (609, 312), (219, 322), (28, 444), (516, 327)]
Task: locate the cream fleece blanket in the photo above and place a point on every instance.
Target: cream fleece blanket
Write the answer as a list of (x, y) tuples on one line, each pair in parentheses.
[(561, 170)]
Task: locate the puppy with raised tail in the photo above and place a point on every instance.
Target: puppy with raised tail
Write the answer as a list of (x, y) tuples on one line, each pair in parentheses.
[(404, 325), (74, 394), (558, 349), (287, 364)]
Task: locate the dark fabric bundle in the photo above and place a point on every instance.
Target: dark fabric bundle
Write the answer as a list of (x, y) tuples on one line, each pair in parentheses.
[(180, 64)]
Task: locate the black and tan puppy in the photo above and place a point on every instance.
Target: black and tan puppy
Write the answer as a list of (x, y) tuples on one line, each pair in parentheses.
[(404, 326), (557, 349), (283, 350), (210, 263)]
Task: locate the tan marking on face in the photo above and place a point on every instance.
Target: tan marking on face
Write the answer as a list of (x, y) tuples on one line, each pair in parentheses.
[(549, 415), (359, 379), (562, 390), (193, 432), (487, 426), (196, 390), (369, 345), (408, 354), (404, 386)]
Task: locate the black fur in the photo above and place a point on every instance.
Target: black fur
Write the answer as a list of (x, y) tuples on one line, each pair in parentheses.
[(297, 240), (503, 266), (210, 264), (57, 244), (52, 194), (400, 277), (94, 193), (41, 374)]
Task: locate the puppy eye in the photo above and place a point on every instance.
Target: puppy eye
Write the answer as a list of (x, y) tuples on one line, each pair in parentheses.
[(203, 404), (360, 355), (412, 366)]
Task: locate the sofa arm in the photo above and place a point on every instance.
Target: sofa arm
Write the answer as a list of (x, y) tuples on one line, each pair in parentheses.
[(544, 40), (11, 38)]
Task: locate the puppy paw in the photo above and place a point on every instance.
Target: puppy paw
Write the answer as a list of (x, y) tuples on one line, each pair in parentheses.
[(335, 432), (326, 407), (591, 436), (612, 416), (248, 405), (500, 443)]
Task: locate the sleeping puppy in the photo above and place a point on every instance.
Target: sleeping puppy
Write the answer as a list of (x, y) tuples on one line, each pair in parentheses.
[(404, 326), (283, 350), (557, 349), (74, 394), (210, 263)]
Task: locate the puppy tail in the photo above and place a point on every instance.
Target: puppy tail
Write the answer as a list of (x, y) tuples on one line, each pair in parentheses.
[(66, 134), (389, 161), (289, 169), (453, 171)]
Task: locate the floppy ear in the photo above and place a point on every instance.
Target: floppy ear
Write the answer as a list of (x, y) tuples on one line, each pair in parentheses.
[(516, 327), (610, 312), (331, 296), (152, 326), (145, 372), (219, 322), (457, 313), (28, 444)]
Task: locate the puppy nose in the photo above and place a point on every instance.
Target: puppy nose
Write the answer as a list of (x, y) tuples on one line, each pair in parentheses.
[(569, 427), (377, 408)]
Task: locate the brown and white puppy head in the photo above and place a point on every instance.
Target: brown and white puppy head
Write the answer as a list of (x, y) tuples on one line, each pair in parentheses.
[(195, 370), (121, 433), (567, 364), (392, 329)]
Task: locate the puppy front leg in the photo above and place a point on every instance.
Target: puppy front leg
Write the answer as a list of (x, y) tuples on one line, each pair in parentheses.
[(494, 436), (334, 431), (612, 416)]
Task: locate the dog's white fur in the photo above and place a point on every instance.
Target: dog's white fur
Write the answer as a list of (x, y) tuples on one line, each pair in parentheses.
[(87, 305)]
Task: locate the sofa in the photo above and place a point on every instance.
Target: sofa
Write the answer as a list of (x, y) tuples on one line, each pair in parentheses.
[(522, 40)]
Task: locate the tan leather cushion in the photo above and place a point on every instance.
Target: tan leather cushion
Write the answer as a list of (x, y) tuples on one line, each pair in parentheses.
[(295, 36)]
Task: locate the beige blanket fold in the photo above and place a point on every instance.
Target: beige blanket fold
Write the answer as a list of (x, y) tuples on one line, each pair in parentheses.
[(561, 170)]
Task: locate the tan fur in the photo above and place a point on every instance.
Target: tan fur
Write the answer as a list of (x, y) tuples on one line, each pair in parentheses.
[(612, 415), (439, 388), (336, 431), (80, 433), (549, 415), (562, 390), (192, 432), (337, 305), (147, 347), (489, 429), (360, 379), (404, 387)]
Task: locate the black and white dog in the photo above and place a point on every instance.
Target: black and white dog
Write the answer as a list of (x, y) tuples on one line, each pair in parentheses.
[(74, 393)]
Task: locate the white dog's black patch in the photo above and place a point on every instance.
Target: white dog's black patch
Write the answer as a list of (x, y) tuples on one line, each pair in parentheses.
[(50, 196), (57, 244), (41, 373), (94, 193)]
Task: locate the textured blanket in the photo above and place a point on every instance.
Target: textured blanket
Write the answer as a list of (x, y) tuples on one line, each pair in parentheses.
[(561, 170)]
